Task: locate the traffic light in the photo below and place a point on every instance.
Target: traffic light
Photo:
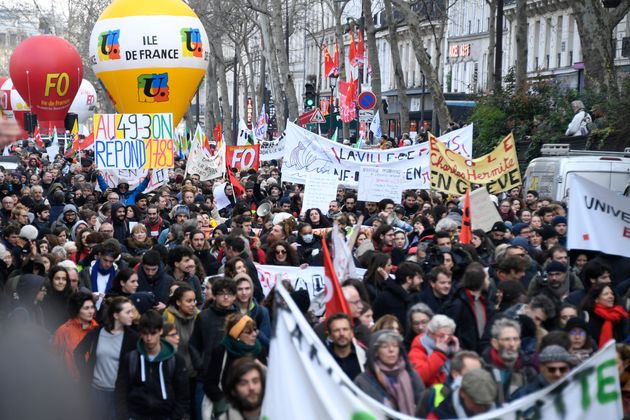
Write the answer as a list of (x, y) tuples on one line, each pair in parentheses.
[(310, 97)]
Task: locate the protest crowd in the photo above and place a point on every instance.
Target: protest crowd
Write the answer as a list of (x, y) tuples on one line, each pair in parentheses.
[(126, 303)]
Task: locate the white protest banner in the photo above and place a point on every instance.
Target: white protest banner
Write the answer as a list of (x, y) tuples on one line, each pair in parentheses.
[(272, 149), (134, 177), (52, 152), (599, 219), (483, 212), (244, 134), (319, 191), (206, 166), (312, 278), (376, 184), (306, 152), (318, 386), (220, 199), (460, 140)]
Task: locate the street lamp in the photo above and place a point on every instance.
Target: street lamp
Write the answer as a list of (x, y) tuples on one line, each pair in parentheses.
[(332, 81)]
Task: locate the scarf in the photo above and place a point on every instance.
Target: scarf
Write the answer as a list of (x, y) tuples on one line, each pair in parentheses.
[(96, 269), (397, 383), (239, 349), (429, 346), (610, 316)]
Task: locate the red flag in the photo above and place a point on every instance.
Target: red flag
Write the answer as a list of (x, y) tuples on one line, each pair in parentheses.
[(352, 91), (353, 50), (465, 235), (361, 49), (86, 142), (329, 65), (38, 138), (337, 302), (336, 58), (217, 133), (239, 190)]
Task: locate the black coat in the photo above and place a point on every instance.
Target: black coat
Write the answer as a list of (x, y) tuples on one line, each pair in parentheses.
[(595, 324), (85, 352), (159, 285), (393, 300), (460, 310), (208, 332)]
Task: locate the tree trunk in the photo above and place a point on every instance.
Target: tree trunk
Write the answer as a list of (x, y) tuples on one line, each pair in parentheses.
[(521, 45), (272, 64), (492, 43), (401, 87), (215, 43), (338, 11), (212, 98), (283, 62), (245, 83), (252, 73), (430, 73), (595, 26)]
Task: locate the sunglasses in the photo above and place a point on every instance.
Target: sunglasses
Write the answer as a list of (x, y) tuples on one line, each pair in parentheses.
[(281, 251)]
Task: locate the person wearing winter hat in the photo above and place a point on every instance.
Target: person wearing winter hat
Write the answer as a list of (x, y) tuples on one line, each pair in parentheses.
[(389, 377), (555, 363), (476, 395), (559, 224), (30, 291), (67, 218)]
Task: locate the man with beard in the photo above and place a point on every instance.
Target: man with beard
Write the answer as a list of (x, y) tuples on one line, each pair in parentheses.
[(555, 284), (42, 219), (68, 218), (154, 222), (504, 360), (399, 294), (350, 356), (201, 249), (121, 228)]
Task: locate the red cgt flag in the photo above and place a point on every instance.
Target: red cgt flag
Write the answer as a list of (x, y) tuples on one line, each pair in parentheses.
[(337, 302), (361, 49), (353, 50), (38, 138), (465, 235), (329, 65)]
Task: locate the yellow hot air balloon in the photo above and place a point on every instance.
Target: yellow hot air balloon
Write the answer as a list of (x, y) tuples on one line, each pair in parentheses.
[(150, 56)]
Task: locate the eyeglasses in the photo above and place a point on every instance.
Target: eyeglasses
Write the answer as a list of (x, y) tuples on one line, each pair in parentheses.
[(559, 369), (281, 251), (249, 332)]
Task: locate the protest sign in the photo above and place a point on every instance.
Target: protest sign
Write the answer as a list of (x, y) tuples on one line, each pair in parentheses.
[(52, 152), (599, 219), (483, 212), (306, 152), (244, 134), (201, 163), (220, 198), (134, 177), (272, 149), (322, 389), (133, 141), (243, 157), (376, 184), (452, 173), (319, 191)]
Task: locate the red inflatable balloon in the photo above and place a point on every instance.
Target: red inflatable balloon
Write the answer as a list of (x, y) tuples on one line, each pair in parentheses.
[(47, 71)]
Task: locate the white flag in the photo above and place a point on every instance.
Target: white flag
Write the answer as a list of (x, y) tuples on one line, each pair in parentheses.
[(244, 134), (375, 126), (599, 219), (261, 125)]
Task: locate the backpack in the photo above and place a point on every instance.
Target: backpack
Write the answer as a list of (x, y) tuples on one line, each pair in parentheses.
[(586, 124)]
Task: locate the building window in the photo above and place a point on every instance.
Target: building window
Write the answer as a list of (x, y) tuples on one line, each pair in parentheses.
[(570, 58), (547, 61), (558, 58)]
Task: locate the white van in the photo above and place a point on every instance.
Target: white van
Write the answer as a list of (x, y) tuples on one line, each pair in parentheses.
[(551, 174)]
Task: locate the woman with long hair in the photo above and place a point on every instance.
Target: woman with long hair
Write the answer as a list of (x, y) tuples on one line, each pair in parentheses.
[(377, 273), (316, 219), (484, 247), (98, 356), (65, 340), (55, 304), (607, 318), (281, 253)]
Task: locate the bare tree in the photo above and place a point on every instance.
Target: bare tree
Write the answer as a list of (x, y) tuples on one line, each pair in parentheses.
[(492, 23), (595, 25), (417, 32), (401, 87), (521, 44)]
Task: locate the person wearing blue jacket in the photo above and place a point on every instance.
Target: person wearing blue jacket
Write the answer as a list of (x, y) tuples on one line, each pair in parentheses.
[(126, 197)]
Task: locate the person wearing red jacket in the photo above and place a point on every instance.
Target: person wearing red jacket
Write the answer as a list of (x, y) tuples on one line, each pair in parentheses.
[(430, 353)]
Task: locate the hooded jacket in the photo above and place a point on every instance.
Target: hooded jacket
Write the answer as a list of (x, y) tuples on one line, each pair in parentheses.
[(159, 284), (208, 332), (153, 389), (184, 325)]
